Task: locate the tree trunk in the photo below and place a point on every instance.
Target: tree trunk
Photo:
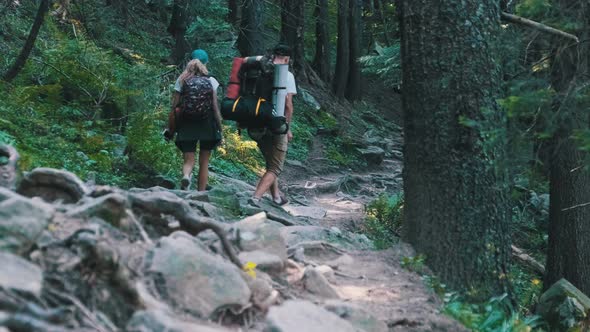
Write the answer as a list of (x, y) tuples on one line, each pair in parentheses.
[(233, 13), (20, 61), (321, 61), (251, 38), (384, 22), (569, 214), (177, 28), (455, 194), (342, 51), (292, 20), (353, 88)]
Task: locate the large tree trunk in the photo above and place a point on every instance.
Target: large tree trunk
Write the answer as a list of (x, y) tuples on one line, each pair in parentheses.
[(177, 28), (353, 88), (251, 38), (292, 20), (569, 213), (321, 61), (342, 51), (233, 13), (455, 193), (26, 50)]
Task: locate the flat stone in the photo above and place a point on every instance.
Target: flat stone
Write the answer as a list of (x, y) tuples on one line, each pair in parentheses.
[(357, 316), (298, 316), (306, 211), (19, 274)]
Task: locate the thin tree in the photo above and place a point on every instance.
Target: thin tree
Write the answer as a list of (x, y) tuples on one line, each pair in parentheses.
[(292, 24), (455, 193), (251, 37), (342, 51), (233, 12), (321, 60), (177, 28), (353, 87), (569, 213), (21, 59)]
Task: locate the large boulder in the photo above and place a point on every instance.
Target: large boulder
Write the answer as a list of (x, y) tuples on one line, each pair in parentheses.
[(53, 185), (185, 274), (158, 321), (22, 220), (374, 155), (563, 306), (296, 316), (19, 274), (315, 283)]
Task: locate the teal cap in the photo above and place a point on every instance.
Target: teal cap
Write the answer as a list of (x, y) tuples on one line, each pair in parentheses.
[(201, 55)]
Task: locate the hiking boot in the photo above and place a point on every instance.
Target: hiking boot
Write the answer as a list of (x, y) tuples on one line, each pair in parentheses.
[(185, 183)]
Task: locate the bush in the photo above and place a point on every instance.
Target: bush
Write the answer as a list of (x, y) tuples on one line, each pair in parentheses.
[(384, 220)]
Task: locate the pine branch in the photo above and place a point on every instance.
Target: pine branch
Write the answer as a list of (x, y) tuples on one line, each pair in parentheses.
[(536, 25)]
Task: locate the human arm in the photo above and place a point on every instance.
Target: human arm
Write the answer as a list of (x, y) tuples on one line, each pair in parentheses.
[(289, 113), (216, 112)]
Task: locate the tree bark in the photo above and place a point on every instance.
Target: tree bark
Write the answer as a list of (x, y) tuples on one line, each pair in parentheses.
[(177, 28), (342, 51), (455, 192), (20, 61), (251, 38), (321, 61), (233, 13), (353, 88), (569, 230), (292, 23)]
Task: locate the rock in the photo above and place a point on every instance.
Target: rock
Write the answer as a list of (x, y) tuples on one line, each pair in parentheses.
[(306, 211), (8, 166), (317, 284), (199, 196), (158, 321), (297, 234), (259, 233), (53, 185), (309, 99), (563, 305), (111, 208), (297, 316), (317, 250), (263, 295), (357, 316), (22, 220), (164, 182), (194, 280), (374, 155), (19, 274), (326, 271), (264, 261)]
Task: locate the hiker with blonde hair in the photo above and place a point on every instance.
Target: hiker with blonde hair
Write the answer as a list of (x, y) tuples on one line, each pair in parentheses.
[(195, 119)]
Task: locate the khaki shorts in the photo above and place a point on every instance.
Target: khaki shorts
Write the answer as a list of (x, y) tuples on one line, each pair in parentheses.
[(273, 148)]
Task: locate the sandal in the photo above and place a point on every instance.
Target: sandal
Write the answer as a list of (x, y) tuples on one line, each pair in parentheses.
[(283, 201)]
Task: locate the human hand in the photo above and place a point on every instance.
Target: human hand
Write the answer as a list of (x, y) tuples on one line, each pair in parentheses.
[(167, 134), (289, 135)]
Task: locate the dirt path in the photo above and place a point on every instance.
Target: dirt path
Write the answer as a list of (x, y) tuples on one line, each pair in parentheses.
[(373, 280)]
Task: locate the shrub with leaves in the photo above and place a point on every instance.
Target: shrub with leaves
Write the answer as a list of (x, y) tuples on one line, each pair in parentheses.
[(384, 220)]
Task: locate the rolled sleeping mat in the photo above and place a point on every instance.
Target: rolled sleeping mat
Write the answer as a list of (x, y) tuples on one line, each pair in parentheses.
[(233, 86), (279, 92)]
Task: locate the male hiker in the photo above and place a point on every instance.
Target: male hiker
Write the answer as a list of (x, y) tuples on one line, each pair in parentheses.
[(273, 146)]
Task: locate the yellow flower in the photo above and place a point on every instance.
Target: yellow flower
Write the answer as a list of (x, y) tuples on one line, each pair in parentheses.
[(250, 269), (536, 282)]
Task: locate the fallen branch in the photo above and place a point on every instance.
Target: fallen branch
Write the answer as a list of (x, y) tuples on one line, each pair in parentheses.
[(536, 25), (527, 260)]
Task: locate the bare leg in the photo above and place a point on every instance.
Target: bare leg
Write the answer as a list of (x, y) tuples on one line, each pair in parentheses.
[(274, 190), (203, 169), (189, 163), (267, 180)]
